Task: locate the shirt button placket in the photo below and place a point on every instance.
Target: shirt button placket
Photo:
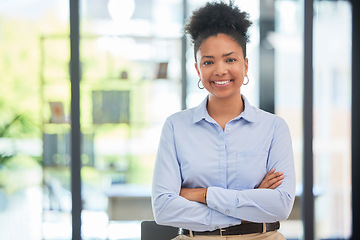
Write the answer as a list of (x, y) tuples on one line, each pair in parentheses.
[(222, 169)]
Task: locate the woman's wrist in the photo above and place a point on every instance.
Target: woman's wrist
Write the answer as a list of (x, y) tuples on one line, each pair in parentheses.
[(205, 194)]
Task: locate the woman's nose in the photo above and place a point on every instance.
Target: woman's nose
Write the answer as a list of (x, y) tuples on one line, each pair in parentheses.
[(220, 69)]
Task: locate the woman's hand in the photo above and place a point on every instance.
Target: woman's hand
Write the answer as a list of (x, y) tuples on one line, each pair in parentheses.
[(272, 179), (194, 194)]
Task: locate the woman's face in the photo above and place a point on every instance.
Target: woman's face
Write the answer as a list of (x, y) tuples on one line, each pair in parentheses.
[(221, 66)]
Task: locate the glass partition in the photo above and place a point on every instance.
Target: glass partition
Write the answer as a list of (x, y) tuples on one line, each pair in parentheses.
[(332, 112), (332, 119), (287, 41), (131, 81)]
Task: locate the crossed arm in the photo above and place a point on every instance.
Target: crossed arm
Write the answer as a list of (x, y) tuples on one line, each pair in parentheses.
[(271, 181)]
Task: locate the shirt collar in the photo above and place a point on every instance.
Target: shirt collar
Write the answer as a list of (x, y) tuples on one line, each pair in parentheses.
[(200, 112), (249, 113)]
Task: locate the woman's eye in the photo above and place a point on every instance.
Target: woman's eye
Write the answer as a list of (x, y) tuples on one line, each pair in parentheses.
[(231, 60), (207, 63)]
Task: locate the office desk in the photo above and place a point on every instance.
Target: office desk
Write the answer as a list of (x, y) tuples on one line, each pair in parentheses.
[(129, 202)]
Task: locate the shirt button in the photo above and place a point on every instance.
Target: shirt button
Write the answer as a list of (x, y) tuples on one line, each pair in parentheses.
[(227, 129), (215, 208), (227, 211)]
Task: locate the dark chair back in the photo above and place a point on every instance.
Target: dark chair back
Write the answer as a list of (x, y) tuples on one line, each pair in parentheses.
[(150, 230)]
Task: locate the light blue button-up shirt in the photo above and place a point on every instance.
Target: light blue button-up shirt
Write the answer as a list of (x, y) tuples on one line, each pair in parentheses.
[(195, 152)]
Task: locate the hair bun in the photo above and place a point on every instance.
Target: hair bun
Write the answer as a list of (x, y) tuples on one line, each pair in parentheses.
[(214, 17)]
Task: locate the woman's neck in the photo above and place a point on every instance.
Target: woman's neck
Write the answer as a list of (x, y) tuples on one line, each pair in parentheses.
[(222, 110)]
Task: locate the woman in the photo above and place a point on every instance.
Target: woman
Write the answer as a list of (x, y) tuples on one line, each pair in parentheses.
[(223, 168)]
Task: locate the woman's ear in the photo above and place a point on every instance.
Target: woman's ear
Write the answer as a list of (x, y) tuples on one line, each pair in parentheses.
[(197, 69), (246, 65)]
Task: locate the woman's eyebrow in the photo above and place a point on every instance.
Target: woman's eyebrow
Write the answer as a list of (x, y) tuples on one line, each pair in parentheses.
[(224, 55), (227, 54), (207, 57)]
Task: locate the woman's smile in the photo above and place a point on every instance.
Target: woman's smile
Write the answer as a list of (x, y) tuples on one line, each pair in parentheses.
[(222, 83)]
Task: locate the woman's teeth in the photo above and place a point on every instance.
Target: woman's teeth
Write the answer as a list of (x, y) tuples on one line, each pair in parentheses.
[(222, 82)]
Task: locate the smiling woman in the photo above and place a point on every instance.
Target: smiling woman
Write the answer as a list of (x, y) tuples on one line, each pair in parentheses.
[(224, 167)]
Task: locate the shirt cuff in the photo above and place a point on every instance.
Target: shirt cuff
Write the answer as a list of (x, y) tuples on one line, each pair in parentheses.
[(222, 200)]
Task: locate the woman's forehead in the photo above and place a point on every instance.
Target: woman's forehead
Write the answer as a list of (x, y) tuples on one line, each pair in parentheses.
[(219, 45)]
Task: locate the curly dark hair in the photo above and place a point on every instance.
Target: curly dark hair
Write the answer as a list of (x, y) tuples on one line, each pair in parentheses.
[(215, 18)]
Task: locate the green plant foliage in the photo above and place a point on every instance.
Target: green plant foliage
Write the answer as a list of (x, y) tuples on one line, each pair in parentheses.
[(21, 172), (20, 124)]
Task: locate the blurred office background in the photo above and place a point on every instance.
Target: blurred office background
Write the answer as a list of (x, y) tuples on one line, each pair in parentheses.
[(135, 71)]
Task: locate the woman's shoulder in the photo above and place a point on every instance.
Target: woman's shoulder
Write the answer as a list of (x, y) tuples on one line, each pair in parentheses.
[(264, 116), (255, 114)]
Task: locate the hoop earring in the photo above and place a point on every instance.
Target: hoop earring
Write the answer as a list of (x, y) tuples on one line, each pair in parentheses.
[(199, 84), (247, 80)]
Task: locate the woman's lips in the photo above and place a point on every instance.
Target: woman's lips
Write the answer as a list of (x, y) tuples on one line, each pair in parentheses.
[(222, 83)]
